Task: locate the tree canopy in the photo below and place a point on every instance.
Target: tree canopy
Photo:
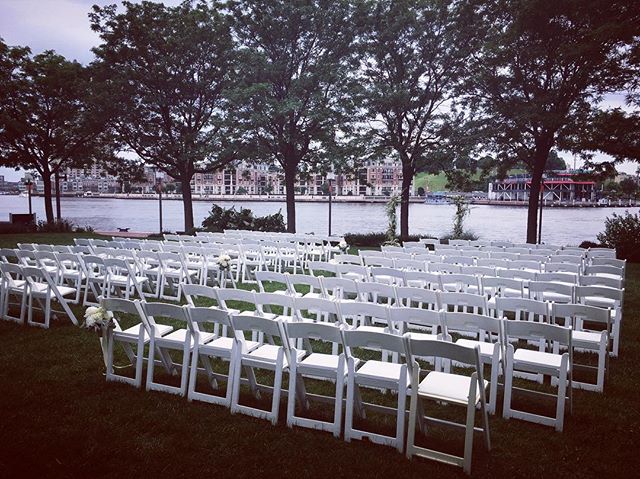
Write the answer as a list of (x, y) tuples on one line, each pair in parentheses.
[(46, 121), (161, 76), (541, 72), (293, 104)]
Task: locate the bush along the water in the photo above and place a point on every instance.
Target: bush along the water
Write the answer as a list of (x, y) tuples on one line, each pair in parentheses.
[(376, 239), (466, 235), (220, 219), (622, 232)]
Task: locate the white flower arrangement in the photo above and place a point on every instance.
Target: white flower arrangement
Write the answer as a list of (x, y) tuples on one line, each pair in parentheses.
[(343, 246), (97, 317), (224, 261)]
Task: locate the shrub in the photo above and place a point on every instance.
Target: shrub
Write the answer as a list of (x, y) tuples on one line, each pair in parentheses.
[(622, 232), (220, 219), (375, 239), (365, 239), (466, 235), (590, 244)]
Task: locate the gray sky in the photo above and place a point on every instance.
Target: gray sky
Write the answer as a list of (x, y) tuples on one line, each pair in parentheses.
[(63, 26)]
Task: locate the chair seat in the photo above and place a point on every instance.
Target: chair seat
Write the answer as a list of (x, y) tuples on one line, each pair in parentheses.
[(179, 336), (448, 387), (323, 361), (486, 349), (537, 358), (599, 301), (160, 330), (269, 352), (427, 336), (125, 280), (43, 288), (226, 343), (581, 337), (556, 297), (373, 369)]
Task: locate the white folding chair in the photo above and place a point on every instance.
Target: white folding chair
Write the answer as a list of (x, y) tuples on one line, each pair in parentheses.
[(418, 298), (42, 287), (587, 339), (273, 357), (376, 375), (550, 362), (315, 365), (121, 278), (448, 388), (135, 336), (12, 283), (604, 297), (273, 282), (488, 339), (206, 348), (421, 279), (177, 340), (548, 291)]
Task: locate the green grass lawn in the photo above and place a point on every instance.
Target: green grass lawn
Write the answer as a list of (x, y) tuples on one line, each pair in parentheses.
[(61, 418)]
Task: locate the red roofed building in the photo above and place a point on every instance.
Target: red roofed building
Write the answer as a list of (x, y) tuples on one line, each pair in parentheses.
[(558, 186)]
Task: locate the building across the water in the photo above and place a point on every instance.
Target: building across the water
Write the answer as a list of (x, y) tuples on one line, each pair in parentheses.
[(558, 186), (380, 178)]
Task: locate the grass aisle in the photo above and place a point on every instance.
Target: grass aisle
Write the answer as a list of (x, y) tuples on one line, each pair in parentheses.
[(61, 419)]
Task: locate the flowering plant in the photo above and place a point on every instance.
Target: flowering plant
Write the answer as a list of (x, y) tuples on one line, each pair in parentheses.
[(343, 246), (224, 261), (97, 317)]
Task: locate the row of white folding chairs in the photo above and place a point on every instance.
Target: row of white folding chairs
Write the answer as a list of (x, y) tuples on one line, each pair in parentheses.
[(404, 271), (338, 368), (33, 288), (498, 292), (424, 288), (200, 347)]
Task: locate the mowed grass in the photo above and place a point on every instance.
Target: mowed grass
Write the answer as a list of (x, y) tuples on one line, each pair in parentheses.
[(60, 418)]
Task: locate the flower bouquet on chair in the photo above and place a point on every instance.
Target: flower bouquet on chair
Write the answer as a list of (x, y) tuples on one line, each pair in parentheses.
[(100, 320), (224, 267)]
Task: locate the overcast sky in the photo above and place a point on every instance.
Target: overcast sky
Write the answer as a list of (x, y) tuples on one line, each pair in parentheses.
[(63, 26)]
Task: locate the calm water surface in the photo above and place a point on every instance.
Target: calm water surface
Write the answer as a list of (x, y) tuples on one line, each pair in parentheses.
[(559, 225)]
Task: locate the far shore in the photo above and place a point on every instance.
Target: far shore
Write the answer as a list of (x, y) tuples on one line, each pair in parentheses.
[(346, 199)]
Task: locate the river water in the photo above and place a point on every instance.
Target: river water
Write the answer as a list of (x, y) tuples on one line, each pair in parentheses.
[(559, 225)]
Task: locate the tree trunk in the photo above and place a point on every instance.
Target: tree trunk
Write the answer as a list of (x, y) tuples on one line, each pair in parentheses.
[(290, 180), (534, 194), (48, 205), (187, 203), (407, 178)]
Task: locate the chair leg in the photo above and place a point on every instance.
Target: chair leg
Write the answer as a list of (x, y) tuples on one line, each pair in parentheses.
[(413, 412), (508, 381), (348, 419), (471, 414), (402, 400)]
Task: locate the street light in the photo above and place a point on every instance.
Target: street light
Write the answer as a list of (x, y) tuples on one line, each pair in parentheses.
[(59, 177), (159, 178), (330, 179), (28, 182)]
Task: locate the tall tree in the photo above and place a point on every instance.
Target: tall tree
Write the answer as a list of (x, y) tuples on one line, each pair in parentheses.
[(294, 104), (46, 122), (413, 52), (541, 72), (162, 73)]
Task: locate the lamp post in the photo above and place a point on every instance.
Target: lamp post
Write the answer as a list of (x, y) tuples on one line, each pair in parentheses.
[(330, 179), (28, 182), (159, 178), (540, 219), (58, 177)]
